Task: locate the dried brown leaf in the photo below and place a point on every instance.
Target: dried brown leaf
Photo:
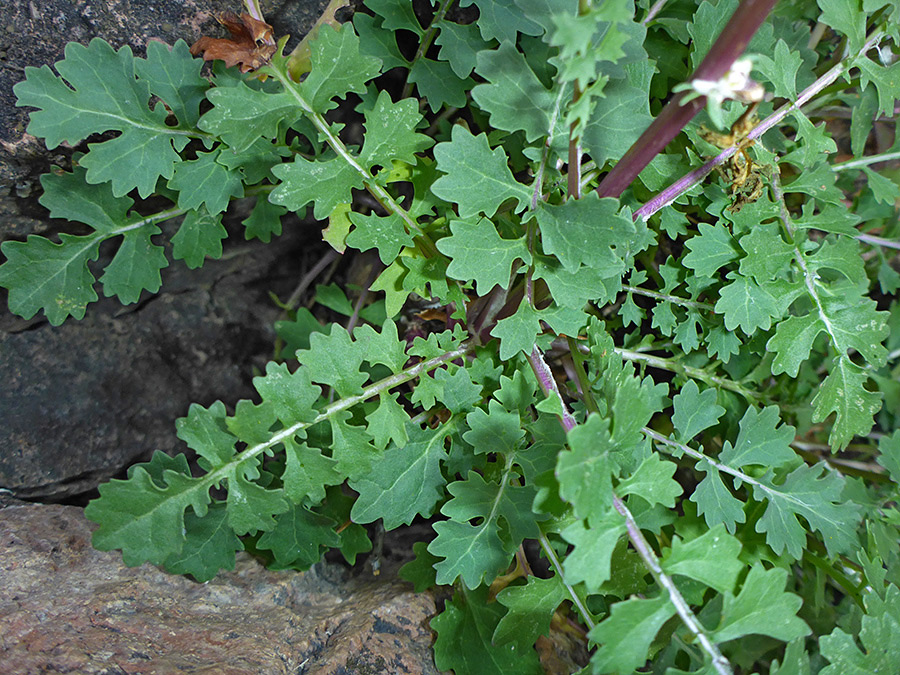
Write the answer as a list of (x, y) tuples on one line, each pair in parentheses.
[(250, 47)]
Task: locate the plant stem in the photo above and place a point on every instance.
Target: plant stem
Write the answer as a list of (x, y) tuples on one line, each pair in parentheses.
[(377, 191), (731, 43), (686, 182), (426, 41), (688, 371), (640, 544), (668, 298), (651, 562), (865, 161), (558, 568)]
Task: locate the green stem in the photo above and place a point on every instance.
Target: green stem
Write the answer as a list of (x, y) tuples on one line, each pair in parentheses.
[(668, 298), (640, 544), (558, 568), (688, 371), (866, 161), (377, 191), (332, 409), (426, 41)]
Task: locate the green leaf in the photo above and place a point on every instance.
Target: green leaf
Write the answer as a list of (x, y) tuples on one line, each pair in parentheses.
[(530, 609), (209, 545), (694, 411), (710, 250), (205, 181), (174, 76), (298, 539), (846, 18), (406, 483), (473, 552), (334, 359), (768, 254), (517, 332), (241, 115), (460, 45), (464, 638), (653, 481), (264, 221), (498, 430), (290, 396), (437, 84), (587, 231), (387, 234), (889, 455), (807, 492), (585, 473), (617, 121), (513, 96), (479, 253), (338, 67), (98, 91), (747, 305), (391, 132), (143, 517), (199, 236), (589, 561), (714, 502), (327, 183), (781, 69), (711, 559), (761, 608), (843, 392), (626, 635), (760, 442), (879, 636), (307, 471), (55, 278), (478, 178), (501, 20), (885, 78)]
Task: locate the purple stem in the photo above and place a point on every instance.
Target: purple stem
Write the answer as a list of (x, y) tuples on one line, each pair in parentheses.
[(686, 182), (732, 42)]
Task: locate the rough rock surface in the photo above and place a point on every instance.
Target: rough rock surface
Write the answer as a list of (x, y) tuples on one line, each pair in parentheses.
[(82, 401), (65, 607)]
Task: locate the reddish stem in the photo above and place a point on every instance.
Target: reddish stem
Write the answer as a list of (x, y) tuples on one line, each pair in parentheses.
[(732, 42)]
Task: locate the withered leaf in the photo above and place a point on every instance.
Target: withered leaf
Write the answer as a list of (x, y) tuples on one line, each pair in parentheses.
[(251, 45)]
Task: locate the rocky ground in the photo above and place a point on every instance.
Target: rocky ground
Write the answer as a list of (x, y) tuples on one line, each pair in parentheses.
[(82, 401)]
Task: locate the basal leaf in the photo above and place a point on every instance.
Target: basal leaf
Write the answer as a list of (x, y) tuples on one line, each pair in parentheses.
[(199, 237), (97, 90), (587, 231), (531, 608), (711, 558), (479, 253), (477, 178), (464, 638), (626, 635), (513, 96), (695, 411), (406, 483), (298, 540), (203, 181), (761, 608), (338, 67)]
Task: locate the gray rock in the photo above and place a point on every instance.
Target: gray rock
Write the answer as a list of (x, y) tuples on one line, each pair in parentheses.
[(82, 401), (65, 607)]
